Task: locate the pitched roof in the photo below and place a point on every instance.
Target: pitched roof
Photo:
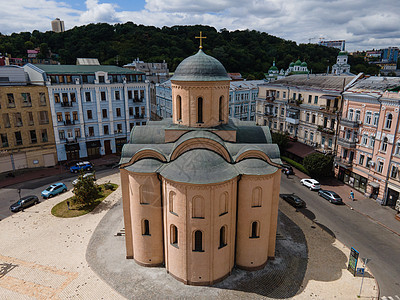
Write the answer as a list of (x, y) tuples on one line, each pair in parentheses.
[(84, 69)]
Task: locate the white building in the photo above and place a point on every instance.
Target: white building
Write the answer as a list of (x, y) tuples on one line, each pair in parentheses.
[(341, 66), (57, 25)]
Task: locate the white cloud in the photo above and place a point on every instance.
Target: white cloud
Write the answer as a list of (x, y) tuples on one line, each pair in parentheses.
[(359, 22)]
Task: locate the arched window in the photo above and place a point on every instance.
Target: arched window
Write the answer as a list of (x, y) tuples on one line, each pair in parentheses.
[(145, 227), (223, 204), (388, 121), (198, 241), (198, 207), (255, 230), (200, 110), (171, 201), (222, 237), (256, 197), (174, 235), (221, 108), (384, 144), (178, 108)]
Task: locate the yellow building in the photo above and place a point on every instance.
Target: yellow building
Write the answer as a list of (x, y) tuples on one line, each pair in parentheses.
[(26, 130), (200, 192)]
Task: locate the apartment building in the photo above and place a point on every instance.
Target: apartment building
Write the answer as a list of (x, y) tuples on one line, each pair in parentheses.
[(26, 130), (307, 107), (368, 155), (242, 99), (93, 107)]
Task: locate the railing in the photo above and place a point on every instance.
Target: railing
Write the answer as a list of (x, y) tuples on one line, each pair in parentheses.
[(350, 123), (139, 116), (344, 162), (326, 130), (69, 122), (137, 99), (347, 143), (66, 104)]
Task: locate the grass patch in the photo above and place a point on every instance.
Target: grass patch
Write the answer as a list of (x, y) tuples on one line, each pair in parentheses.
[(61, 209), (295, 164)]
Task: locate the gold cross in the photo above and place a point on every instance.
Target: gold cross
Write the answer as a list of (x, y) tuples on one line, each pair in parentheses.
[(200, 37)]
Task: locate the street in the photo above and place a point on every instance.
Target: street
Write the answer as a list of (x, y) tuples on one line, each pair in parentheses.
[(354, 230)]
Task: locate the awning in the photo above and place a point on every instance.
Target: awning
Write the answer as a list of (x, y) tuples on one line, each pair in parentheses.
[(93, 144), (328, 97), (299, 149), (72, 147), (374, 184)]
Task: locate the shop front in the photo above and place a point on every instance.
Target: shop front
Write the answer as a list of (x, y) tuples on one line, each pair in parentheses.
[(93, 149), (392, 195), (355, 180), (72, 151), (119, 143)]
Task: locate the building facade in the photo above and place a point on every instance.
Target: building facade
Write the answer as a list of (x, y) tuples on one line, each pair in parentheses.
[(57, 25), (369, 143), (93, 107), (341, 66), (242, 99), (26, 130), (306, 107), (201, 191)]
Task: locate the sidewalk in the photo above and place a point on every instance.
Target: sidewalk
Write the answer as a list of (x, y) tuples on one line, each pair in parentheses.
[(383, 215), (31, 174)]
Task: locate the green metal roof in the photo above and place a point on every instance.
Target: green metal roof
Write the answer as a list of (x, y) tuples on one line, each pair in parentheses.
[(81, 69), (200, 67)]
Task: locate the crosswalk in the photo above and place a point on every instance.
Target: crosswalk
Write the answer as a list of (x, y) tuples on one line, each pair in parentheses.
[(395, 297)]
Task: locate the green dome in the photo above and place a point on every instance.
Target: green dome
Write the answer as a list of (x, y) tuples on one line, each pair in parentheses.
[(291, 64), (200, 67), (304, 64), (273, 68), (342, 53), (297, 63)]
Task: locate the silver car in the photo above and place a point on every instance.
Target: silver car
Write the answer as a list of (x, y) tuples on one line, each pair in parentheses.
[(87, 175), (331, 196)]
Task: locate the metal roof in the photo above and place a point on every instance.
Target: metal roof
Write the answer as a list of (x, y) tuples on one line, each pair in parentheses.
[(84, 69)]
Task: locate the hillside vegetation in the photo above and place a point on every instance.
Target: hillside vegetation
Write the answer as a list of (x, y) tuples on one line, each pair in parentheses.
[(248, 52)]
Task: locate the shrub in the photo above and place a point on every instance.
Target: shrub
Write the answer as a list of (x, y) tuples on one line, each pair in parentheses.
[(295, 164)]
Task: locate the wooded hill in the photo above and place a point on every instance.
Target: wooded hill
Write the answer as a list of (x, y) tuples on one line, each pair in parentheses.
[(248, 52)]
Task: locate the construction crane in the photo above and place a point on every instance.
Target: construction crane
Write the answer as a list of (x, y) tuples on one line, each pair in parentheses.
[(310, 39)]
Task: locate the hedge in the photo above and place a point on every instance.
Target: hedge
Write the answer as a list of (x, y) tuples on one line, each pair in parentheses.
[(295, 164)]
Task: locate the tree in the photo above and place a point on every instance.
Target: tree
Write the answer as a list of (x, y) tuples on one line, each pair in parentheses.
[(86, 191), (281, 140), (318, 165)]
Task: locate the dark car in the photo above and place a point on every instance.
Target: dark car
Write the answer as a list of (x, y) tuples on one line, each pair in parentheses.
[(331, 196), (293, 200), (286, 168), (24, 203)]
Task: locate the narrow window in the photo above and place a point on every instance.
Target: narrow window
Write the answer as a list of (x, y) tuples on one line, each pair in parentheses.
[(384, 144), (145, 227), (174, 236), (221, 108), (389, 121), (200, 110), (171, 202), (222, 237), (179, 108), (198, 207), (254, 230), (223, 204), (256, 199), (198, 241)]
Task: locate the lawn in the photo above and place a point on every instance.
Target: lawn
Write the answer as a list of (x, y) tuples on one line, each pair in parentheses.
[(61, 209)]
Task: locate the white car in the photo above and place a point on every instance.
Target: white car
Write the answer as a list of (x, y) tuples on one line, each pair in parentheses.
[(310, 183), (87, 175)]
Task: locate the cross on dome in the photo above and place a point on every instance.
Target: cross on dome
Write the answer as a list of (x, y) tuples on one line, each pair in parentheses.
[(200, 37)]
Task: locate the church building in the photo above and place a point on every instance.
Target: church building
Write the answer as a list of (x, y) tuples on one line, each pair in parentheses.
[(200, 191)]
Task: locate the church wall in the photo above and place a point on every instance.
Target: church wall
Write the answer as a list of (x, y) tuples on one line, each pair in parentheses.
[(126, 209), (255, 203), (197, 208), (145, 204), (274, 214), (210, 92)]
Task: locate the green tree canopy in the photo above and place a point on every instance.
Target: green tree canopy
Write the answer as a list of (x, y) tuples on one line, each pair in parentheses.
[(318, 165)]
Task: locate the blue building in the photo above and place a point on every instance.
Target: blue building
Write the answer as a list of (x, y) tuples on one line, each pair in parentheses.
[(93, 107), (390, 54), (242, 99)]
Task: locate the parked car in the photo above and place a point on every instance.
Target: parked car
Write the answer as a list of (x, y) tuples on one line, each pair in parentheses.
[(286, 168), (54, 190), (24, 203), (312, 184), (87, 175), (83, 165), (293, 200), (331, 196)]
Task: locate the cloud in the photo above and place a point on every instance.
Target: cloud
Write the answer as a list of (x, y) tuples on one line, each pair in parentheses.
[(359, 22)]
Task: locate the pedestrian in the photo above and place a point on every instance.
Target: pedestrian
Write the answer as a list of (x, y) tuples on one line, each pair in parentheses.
[(352, 195), (287, 173), (68, 204)]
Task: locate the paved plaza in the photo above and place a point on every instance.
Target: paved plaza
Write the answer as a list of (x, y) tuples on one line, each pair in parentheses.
[(44, 257)]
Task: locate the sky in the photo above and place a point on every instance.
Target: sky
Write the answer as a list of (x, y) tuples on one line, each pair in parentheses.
[(364, 24)]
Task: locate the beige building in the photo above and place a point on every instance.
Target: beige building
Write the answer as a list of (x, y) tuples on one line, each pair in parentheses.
[(200, 192), (26, 130), (307, 107), (57, 25)]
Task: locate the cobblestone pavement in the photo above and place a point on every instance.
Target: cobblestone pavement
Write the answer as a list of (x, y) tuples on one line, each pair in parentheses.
[(44, 257)]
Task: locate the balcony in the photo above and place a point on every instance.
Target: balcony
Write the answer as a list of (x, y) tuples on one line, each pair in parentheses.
[(343, 162), (347, 143), (137, 99), (326, 130), (69, 122), (139, 116), (350, 123), (294, 102), (328, 109), (66, 104), (292, 120), (270, 99), (43, 122)]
